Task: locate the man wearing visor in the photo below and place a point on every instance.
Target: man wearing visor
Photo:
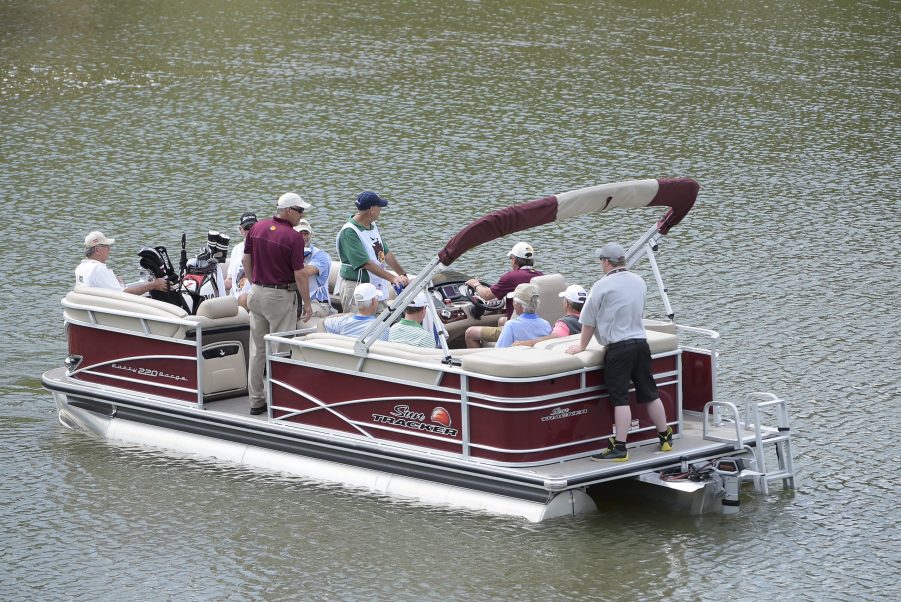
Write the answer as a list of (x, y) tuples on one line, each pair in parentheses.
[(317, 266)]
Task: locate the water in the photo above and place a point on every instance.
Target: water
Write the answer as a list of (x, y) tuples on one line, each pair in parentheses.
[(146, 120)]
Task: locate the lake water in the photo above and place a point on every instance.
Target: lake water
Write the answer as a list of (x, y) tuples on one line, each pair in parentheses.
[(146, 120)]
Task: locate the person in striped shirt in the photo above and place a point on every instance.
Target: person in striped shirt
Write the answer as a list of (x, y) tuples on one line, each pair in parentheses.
[(409, 329), (366, 302)]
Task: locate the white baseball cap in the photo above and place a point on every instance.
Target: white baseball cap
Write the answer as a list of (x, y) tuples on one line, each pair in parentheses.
[(292, 199), (420, 300), (304, 226), (366, 292), (97, 238), (523, 250), (574, 293)]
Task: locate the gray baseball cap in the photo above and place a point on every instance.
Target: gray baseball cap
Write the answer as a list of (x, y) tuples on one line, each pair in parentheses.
[(613, 252)]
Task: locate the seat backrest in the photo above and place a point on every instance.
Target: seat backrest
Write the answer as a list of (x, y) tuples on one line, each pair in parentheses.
[(100, 299), (550, 304), (218, 307), (333, 276)]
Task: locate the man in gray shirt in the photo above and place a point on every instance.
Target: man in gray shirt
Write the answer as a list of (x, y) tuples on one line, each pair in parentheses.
[(613, 314)]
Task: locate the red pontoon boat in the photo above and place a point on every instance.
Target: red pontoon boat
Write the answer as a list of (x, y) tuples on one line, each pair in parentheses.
[(504, 430)]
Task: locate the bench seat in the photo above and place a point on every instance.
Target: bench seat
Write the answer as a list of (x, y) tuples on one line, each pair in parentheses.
[(216, 313)]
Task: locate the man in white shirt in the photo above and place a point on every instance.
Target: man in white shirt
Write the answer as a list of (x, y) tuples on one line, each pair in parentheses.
[(93, 271), (235, 282)]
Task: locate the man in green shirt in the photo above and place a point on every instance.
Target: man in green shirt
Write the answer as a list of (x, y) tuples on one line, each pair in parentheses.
[(409, 329), (364, 256)]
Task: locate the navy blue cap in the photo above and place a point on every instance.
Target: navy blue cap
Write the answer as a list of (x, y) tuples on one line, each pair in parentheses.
[(367, 199)]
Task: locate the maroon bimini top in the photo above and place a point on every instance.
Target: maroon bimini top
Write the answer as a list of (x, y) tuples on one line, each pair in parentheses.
[(508, 282), (276, 249)]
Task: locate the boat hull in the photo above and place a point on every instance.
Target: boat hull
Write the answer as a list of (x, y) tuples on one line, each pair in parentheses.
[(254, 443)]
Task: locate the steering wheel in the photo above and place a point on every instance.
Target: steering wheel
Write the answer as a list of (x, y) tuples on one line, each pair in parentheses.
[(479, 301)]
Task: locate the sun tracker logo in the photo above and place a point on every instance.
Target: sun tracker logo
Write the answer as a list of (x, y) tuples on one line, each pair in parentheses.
[(441, 416), (558, 413), (404, 417)]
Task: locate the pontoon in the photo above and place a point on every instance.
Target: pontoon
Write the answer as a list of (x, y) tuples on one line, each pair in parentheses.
[(507, 431)]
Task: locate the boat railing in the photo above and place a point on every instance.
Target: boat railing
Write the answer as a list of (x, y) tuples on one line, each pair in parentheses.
[(508, 394), (146, 322), (149, 319)]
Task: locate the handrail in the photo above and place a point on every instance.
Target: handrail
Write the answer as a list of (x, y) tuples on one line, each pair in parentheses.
[(197, 343), (728, 405)]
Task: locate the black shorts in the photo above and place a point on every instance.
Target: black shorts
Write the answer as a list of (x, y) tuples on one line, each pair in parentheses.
[(625, 362)]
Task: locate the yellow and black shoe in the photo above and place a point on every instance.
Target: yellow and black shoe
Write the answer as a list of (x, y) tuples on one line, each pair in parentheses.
[(666, 439), (614, 453)]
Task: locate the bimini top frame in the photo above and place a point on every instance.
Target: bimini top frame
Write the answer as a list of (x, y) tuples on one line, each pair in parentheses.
[(678, 194)]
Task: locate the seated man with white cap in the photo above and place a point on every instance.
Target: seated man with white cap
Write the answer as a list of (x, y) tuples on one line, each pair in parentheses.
[(525, 324), (409, 329), (365, 304), (573, 300), (93, 271)]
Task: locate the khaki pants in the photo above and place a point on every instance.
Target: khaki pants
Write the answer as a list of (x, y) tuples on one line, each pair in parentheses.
[(347, 296), (321, 310), (271, 310)]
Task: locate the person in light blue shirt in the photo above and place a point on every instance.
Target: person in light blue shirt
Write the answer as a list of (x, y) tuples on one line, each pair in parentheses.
[(366, 303), (317, 265), (526, 324)]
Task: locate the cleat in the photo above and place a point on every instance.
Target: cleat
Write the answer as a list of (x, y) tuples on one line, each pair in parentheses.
[(666, 442)]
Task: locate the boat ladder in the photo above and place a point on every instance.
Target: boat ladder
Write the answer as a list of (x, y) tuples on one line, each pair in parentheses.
[(758, 406)]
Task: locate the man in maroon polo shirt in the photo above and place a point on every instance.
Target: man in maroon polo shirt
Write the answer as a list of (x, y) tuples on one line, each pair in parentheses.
[(522, 270), (273, 260)]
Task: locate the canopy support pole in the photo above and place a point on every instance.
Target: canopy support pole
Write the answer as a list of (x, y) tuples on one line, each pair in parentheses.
[(396, 309), (646, 245), (660, 286)]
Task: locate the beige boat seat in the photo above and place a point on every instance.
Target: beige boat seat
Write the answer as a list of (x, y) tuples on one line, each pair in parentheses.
[(223, 321), (395, 360), (550, 304), (100, 299), (221, 311), (333, 276), (593, 356), (520, 362)]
